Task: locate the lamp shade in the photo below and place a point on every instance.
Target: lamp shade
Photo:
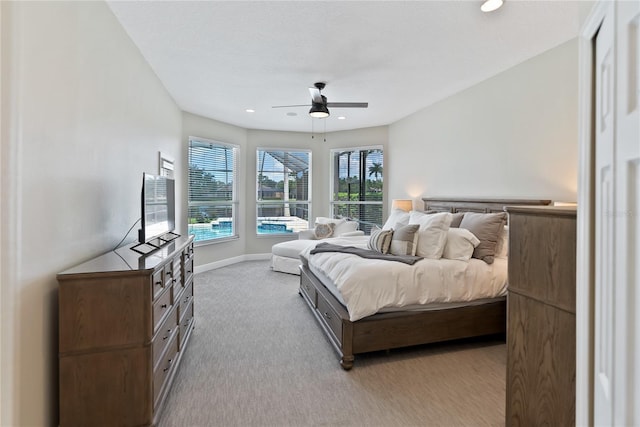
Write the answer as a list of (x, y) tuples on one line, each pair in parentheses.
[(405, 205)]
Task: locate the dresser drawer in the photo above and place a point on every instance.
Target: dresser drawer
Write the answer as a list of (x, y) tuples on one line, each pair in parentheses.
[(186, 323), (309, 291), (185, 299), (177, 273), (163, 336), (188, 269), (163, 370), (168, 274), (330, 317), (157, 282), (161, 307)]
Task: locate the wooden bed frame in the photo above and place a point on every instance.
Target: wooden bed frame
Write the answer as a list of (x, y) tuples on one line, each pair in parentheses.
[(385, 331)]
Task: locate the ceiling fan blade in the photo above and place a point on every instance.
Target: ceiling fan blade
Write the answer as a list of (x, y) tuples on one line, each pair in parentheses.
[(347, 104), (315, 95), (287, 106)]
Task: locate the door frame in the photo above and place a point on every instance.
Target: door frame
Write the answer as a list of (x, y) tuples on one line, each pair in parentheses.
[(585, 277)]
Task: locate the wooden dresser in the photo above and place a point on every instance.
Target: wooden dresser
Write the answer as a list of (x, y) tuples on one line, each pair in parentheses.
[(541, 321), (124, 322)]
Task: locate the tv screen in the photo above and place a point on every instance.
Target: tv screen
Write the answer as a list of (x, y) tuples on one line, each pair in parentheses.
[(158, 207)]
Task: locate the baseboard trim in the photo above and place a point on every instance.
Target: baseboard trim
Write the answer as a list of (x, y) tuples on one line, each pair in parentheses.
[(230, 261)]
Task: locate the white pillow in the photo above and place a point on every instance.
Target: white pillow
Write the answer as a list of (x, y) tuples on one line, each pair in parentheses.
[(341, 226), (327, 220), (502, 248), (345, 227), (432, 235), (460, 244), (396, 219)]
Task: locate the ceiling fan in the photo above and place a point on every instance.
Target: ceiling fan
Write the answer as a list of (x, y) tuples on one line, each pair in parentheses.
[(319, 105)]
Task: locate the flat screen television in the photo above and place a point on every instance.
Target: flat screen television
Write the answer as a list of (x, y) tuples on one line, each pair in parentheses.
[(158, 212)]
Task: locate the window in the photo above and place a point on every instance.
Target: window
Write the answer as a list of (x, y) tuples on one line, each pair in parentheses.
[(283, 191), (212, 190), (357, 185)]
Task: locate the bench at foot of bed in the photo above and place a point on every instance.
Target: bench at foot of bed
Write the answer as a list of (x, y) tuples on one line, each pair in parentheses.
[(386, 331)]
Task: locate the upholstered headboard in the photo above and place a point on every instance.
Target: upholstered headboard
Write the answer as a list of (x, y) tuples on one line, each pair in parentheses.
[(454, 205)]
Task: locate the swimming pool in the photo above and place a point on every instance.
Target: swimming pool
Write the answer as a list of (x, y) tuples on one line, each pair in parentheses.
[(208, 232), (205, 232)]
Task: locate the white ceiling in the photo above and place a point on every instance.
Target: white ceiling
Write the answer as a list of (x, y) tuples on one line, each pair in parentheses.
[(218, 58)]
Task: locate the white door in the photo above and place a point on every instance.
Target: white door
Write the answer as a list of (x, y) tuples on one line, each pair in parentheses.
[(604, 205), (626, 390), (617, 239)]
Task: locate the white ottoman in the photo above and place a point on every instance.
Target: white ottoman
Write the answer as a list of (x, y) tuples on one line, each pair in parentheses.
[(285, 255)]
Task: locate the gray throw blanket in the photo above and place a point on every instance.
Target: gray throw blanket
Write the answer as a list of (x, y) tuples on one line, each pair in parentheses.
[(364, 253)]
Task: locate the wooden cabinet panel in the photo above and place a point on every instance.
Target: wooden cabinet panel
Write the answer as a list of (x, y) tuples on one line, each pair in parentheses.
[(119, 337), (111, 312), (541, 322), (106, 388), (545, 249), (541, 364)]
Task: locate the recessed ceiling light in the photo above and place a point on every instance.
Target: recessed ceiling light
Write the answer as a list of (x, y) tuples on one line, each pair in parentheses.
[(292, 114), (249, 110), (342, 118), (491, 5)]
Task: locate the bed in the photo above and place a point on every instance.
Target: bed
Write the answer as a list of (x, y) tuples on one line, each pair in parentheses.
[(388, 329)]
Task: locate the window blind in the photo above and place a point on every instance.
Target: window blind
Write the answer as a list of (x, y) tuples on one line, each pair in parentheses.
[(212, 192)]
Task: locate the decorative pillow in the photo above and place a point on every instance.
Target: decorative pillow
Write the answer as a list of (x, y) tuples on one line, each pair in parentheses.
[(502, 249), (486, 227), (322, 231), (456, 219), (460, 244), (380, 240), (404, 240), (432, 234), (397, 219)]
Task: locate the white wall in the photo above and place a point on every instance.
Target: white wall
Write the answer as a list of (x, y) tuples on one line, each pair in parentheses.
[(83, 116), (513, 135)]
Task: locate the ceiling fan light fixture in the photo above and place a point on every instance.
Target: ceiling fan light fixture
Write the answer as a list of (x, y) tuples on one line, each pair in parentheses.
[(491, 5), (319, 111)]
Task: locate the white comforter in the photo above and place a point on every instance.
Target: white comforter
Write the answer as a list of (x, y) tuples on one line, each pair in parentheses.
[(369, 285)]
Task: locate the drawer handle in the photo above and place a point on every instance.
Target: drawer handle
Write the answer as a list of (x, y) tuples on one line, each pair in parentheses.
[(163, 306), (168, 334), (159, 283), (327, 315), (174, 281), (168, 366), (186, 299)]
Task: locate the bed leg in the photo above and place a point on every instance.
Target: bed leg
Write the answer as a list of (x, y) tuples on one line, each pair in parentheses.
[(346, 362)]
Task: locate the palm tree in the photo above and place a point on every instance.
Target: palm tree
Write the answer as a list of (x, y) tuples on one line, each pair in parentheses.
[(375, 170)]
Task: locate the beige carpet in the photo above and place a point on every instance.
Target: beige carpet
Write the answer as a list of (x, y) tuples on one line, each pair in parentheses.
[(258, 358)]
